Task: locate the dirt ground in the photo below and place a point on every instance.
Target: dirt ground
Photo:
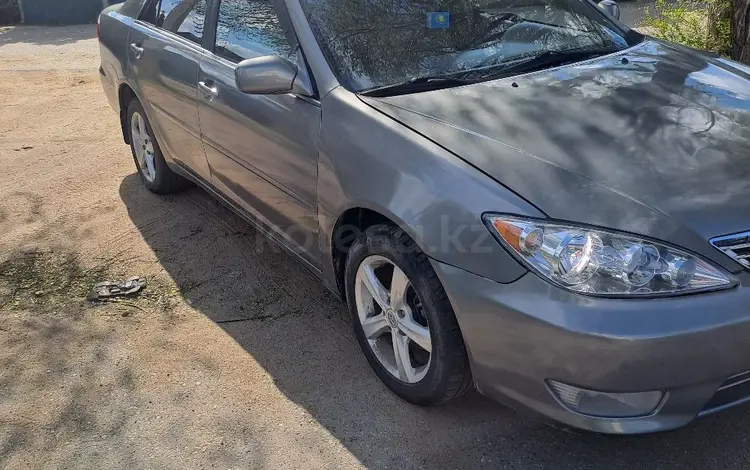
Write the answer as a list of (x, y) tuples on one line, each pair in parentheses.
[(234, 356)]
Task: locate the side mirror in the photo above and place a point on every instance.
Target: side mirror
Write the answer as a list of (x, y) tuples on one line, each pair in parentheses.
[(611, 7), (266, 75)]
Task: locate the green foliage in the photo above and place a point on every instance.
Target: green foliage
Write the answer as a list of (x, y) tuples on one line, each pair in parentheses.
[(703, 25)]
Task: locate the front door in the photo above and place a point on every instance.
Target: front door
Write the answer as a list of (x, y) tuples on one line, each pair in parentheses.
[(164, 48), (263, 149)]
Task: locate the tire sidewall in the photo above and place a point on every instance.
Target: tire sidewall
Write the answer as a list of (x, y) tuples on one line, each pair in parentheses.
[(374, 242)]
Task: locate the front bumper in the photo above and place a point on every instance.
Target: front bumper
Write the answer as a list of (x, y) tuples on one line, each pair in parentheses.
[(521, 334)]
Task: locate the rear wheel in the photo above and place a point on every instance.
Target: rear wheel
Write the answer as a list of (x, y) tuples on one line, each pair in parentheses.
[(152, 168), (403, 320)]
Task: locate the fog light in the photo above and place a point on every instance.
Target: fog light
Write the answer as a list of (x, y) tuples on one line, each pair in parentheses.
[(606, 405)]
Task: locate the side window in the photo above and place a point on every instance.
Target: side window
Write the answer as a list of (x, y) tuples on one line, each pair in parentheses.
[(184, 17), (248, 29)]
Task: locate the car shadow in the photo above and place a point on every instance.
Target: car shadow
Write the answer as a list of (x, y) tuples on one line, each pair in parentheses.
[(301, 335)]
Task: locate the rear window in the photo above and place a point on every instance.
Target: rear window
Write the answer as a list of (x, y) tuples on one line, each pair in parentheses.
[(132, 8), (183, 17)]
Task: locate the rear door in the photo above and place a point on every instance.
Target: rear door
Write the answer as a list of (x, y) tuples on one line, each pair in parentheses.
[(263, 149), (165, 48)]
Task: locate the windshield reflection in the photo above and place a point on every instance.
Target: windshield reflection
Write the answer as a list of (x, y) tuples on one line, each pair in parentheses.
[(374, 43)]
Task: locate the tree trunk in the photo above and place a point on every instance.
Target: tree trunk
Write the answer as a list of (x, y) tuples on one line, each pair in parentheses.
[(718, 14), (741, 31)]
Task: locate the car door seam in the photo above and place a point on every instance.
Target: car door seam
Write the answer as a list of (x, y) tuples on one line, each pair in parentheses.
[(231, 65), (200, 124), (174, 120), (261, 174)]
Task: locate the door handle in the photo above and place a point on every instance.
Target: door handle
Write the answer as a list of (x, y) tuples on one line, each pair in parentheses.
[(209, 92), (137, 50)]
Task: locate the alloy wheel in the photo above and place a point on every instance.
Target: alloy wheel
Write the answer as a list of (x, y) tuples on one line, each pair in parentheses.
[(393, 319), (143, 146)]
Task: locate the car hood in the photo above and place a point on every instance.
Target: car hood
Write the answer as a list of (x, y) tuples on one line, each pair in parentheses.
[(653, 140)]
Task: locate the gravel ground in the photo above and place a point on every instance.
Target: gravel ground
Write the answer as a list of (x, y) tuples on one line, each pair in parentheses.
[(234, 356)]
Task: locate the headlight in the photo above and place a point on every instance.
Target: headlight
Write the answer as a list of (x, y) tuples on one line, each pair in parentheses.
[(598, 262)]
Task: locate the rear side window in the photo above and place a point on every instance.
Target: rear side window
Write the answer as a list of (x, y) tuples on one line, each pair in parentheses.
[(248, 29), (132, 8), (184, 17)]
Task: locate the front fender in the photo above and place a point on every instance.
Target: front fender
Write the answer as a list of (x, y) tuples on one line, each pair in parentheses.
[(368, 160)]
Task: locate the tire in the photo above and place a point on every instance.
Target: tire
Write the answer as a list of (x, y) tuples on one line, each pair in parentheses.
[(157, 177), (446, 374)]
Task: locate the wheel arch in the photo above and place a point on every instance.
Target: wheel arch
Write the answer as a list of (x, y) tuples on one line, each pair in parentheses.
[(125, 94), (349, 224)]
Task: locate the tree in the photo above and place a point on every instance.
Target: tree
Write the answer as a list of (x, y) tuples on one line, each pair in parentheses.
[(741, 31)]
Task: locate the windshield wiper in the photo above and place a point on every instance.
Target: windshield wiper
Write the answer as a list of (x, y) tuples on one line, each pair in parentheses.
[(417, 84), (514, 66), (541, 61)]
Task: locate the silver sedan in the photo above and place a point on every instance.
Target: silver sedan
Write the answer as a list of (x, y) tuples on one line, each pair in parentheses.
[(525, 197)]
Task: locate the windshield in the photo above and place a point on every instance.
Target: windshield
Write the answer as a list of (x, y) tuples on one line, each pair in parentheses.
[(377, 43)]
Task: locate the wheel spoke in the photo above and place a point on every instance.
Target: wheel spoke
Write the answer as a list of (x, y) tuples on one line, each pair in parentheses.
[(406, 371), (142, 158), (399, 284), (149, 157), (416, 332), (137, 140), (378, 292), (136, 131), (375, 326), (136, 137)]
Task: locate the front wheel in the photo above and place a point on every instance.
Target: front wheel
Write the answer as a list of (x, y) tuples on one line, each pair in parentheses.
[(403, 319)]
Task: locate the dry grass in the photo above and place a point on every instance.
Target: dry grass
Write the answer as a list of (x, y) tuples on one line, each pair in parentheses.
[(55, 282)]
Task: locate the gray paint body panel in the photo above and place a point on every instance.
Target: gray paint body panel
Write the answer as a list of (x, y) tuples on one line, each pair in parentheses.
[(658, 146), (368, 160), (113, 47), (165, 78), (263, 153), (521, 334)]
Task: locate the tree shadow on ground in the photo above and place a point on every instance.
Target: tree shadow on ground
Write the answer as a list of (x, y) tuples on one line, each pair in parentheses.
[(300, 334), (46, 35)]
